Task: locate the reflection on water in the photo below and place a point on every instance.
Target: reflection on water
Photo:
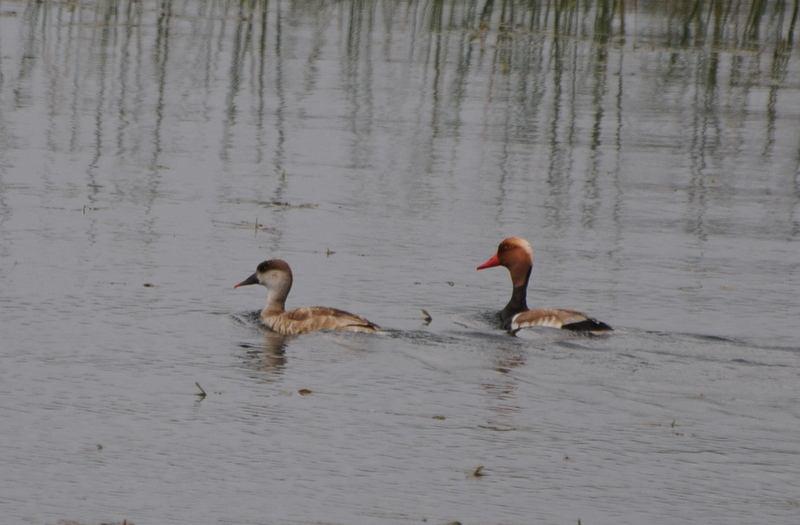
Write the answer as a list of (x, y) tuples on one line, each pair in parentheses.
[(563, 87), (271, 357), (151, 150)]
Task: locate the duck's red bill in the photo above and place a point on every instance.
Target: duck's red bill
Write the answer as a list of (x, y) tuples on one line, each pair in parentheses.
[(491, 261)]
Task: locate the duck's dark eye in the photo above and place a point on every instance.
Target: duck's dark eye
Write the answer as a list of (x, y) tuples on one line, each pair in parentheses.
[(503, 247)]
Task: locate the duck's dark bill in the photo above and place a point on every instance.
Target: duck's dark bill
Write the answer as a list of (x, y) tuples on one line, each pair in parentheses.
[(253, 279)]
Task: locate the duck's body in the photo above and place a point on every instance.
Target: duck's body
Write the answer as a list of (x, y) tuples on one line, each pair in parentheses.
[(276, 276), (556, 318), (314, 318), (516, 254)]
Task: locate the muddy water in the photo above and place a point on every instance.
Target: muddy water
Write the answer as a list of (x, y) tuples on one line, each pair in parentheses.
[(151, 154)]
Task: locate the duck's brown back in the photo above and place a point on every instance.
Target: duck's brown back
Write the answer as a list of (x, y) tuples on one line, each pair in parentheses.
[(314, 318)]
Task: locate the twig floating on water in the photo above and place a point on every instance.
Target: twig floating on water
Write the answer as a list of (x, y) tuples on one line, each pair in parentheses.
[(304, 391), (202, 394), (426, 316), (478, 472), (496, 428)]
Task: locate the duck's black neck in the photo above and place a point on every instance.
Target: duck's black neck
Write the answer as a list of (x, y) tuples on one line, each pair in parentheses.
[(518, 302)]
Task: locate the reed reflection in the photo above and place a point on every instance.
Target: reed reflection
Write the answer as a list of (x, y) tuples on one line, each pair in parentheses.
[(552, 80), (514, 28)]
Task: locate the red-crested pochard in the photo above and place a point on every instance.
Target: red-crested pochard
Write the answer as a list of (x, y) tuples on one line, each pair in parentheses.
[(276, 276), (516, 254)]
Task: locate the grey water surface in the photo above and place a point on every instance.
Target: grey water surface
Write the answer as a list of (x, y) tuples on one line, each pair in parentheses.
[(153, 153)]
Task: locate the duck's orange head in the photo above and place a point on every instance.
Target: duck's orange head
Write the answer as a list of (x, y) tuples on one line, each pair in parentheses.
[(516, 254)]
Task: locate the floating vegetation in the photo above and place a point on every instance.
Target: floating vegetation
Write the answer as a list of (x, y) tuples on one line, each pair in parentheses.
[(305, 392), (439, 418), (202, 394), (148, 285), (246, 225), (426, 317), (497, 428), (72, 522), (478, 472), (281, 205), (86, 208)]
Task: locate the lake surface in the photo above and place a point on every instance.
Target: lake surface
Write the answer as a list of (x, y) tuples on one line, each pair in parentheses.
[(153, 153)]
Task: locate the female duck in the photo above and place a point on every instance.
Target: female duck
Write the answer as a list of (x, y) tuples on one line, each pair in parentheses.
[(276, 276), (516, 254)]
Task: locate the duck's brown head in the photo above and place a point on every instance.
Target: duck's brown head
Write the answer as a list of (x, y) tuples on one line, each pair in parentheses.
[(270, 273), (516, 254)]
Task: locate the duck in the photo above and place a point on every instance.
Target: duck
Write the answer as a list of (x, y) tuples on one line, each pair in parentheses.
[(516, 254), (276, 276)]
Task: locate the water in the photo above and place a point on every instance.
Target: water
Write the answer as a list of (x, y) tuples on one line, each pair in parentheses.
[(151, 154)]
